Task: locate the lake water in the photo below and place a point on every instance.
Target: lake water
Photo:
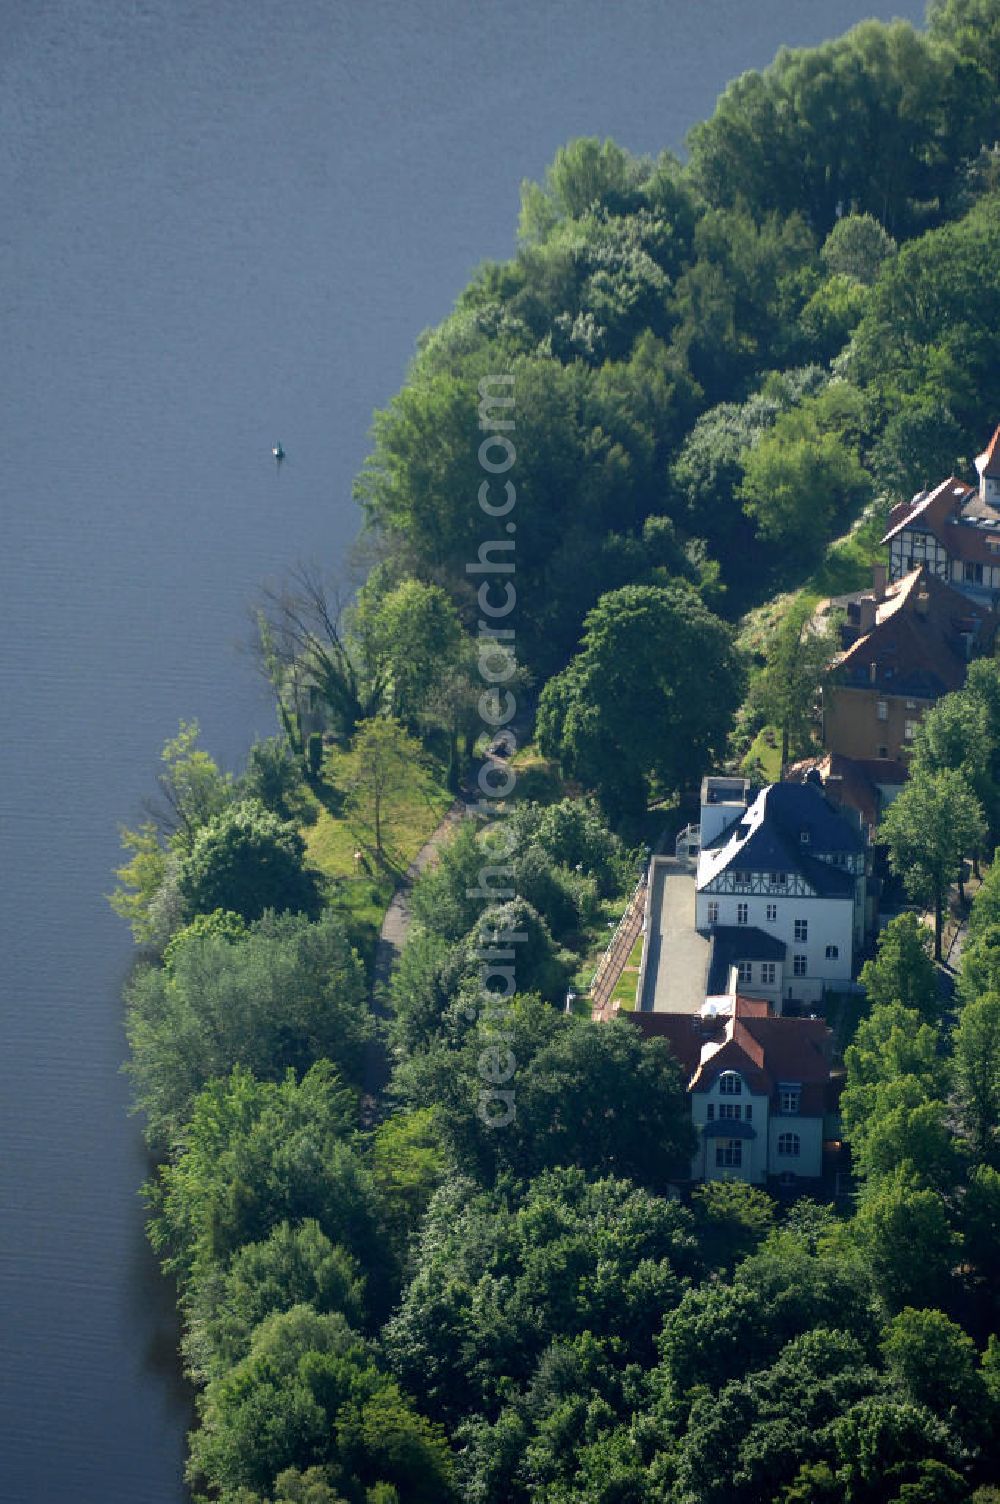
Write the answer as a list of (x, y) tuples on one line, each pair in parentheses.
[(223, 224)]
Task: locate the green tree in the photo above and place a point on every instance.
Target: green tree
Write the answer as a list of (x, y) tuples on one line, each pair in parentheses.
[(247, 860), (857, 246), (935, 1364), (902, 970), (385, 758), (955, 733), (294, 1265), (786, 690), (905, 1235), (414, 631), (977, 1074), (649, 695), (517, 1269), (732, 1219), (257, 1153), (284, 995), (797, 482), (274, 776), (928, 829), (140, 880), (308, 1394), (894, 1061)]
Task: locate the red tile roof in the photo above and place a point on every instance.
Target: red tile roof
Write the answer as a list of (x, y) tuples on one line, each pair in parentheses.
[(764, 1050), (915, 643)]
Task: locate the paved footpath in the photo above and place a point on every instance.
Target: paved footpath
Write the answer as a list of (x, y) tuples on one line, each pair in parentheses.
[(390, 944), (397, 919)]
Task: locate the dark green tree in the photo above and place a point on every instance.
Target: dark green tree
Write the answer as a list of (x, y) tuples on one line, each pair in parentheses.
[(247, 860), (649, 696)]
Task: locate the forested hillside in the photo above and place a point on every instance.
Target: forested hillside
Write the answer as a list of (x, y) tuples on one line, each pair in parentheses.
[(721, 366)]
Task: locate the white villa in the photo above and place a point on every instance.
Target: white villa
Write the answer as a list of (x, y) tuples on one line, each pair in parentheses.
[(781, 890)]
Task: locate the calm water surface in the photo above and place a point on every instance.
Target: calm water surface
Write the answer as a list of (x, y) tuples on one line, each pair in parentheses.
[(222, 224)]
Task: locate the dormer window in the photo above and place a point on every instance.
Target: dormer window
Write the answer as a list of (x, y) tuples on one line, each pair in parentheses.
[(788, 1100), (803, 838), (779, 879), (731, 1084)]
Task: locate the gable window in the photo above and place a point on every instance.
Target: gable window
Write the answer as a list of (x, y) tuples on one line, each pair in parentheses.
[(742, 913), (799, 966), (788, 1100), (729, 1154), (832, 952), (802, 930), (741, 879), (713, 912), (744, 971), (779, 879), (730, 1110), (767, 973), (730, 1084), (882, 709), (789, 1144), (772, 913)]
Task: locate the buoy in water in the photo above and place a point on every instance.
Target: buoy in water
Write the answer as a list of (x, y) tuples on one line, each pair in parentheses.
[(278, 452)]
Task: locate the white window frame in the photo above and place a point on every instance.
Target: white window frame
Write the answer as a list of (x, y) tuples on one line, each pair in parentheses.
[(742, 913), (788, 1102), (801, 929), (800, 966), (768, 973), (744, 971), (772, 913), (730, 1084), (729, 1154), (789, 1145)]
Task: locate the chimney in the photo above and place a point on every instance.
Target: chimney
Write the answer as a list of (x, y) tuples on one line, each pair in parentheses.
[(922, 602), (866, 614), (833, 788), (880, 577)]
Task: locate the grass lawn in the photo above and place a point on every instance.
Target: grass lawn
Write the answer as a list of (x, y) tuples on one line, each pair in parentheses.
[(765, 751), (363, 892), (537, 777)]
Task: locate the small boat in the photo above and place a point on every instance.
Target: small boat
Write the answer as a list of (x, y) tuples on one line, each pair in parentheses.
[(278, 451)]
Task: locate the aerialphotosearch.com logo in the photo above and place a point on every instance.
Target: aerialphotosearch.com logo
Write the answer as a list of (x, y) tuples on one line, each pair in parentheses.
[(497, 664)]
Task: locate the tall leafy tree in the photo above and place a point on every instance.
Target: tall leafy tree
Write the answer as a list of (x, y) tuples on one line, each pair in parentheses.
[(787, 688), (649, 695), (385, 756), (247, 860), (283, 995), (902, 970), (935, 822)]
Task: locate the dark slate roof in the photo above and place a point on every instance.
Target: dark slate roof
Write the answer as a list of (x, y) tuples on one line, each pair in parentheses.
[(739, 942), (769, 839)]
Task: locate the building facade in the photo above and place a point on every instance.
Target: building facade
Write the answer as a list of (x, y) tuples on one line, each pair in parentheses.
[(905, 644), (782, 890), (759, 1089), (954, 531)]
